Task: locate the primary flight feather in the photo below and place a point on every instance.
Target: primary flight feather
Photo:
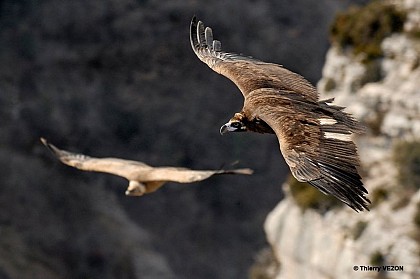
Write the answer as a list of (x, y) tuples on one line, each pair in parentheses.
[(314, 135), (143, 179)]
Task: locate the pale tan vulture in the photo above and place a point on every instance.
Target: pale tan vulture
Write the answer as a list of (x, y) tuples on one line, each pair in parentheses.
[(143, 179), (314, 136)]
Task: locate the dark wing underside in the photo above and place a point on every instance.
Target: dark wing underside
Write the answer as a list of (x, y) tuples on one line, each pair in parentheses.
[(315, 141), (247, 73)]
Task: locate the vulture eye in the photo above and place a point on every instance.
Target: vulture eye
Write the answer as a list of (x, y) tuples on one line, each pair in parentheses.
[(236, 125)]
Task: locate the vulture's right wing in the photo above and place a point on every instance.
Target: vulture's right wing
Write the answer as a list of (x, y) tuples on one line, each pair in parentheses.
[(317, 149), (184, 175), (131, 170)]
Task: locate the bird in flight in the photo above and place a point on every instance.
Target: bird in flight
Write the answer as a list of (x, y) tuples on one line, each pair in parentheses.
[(143, 179), (314, 135)]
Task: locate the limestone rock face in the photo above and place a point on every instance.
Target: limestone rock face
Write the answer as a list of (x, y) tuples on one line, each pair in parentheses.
[(384, 94)]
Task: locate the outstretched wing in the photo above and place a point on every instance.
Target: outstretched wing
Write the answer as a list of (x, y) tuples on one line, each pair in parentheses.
[(131, 170), (183, 175), (315, 141), (247, 73), (134, 170)]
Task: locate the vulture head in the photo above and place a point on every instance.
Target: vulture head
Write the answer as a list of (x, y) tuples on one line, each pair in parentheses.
[(241, 123), (236, 124)]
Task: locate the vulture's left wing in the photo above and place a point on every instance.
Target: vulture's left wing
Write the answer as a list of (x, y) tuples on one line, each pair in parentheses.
[(247, 73)]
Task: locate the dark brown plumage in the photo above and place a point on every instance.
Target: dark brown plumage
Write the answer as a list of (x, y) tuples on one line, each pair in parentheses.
[(143, 179), (314, 135)]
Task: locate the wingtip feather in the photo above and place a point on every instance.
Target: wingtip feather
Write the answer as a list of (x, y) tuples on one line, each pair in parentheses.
[(353, 197), (43, 140), (209, 37), (51, 147), (201, 34), (245, 171), (193, 33)]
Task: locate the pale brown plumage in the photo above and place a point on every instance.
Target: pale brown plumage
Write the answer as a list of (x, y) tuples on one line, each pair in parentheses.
[(314, 135), (143, 179)]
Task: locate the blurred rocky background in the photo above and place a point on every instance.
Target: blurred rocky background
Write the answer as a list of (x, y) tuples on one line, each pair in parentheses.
[(373, 67), (118, 78)]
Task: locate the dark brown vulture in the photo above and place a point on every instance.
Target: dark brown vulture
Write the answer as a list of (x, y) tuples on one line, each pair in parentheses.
[(314, 135), (143, 179)]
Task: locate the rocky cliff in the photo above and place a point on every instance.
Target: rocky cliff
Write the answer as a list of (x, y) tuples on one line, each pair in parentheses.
[(382, 91)]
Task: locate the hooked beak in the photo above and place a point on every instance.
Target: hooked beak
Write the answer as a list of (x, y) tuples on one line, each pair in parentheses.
[(224, 129), (232, 127)]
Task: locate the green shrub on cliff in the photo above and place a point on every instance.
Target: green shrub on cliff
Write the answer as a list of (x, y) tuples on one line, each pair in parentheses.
[(307, 196), (364, 28), (407, 159)]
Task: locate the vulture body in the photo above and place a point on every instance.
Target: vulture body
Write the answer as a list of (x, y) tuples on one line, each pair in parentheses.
[(314, 135), (143, 179)]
